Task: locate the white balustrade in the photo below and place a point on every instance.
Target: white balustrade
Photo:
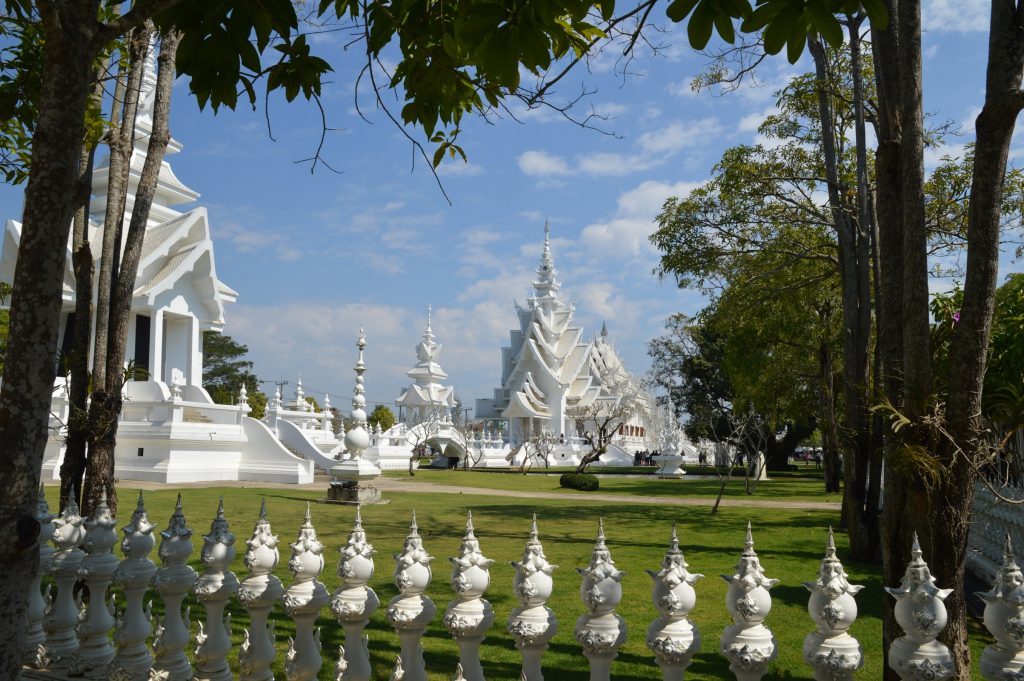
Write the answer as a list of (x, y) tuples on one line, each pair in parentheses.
[(214, 589), (95, 651), (410, 611), (257, 594), (132, 659), (831, 652), (353, 602), (920, 612), (302, 600), (600, 630), (35, 636), (747, 643), (173, 580), (673, 638), (469, 616), (62, 612), (1004, 618), (533, 624)]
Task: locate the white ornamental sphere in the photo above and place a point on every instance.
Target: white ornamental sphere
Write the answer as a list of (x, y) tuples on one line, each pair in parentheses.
[(357, 440)]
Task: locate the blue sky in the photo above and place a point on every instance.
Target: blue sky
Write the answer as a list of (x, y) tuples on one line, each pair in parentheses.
[(313, 256)]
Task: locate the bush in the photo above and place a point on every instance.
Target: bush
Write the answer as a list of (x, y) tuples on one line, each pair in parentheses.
[(581, 481)]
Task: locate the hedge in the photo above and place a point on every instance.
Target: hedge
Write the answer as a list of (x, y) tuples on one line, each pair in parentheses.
[(580, 481)]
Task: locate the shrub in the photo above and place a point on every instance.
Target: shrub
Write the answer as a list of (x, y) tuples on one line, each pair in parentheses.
[(581, 481)]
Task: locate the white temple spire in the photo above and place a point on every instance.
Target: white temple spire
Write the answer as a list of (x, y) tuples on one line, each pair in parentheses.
[(546, 285)]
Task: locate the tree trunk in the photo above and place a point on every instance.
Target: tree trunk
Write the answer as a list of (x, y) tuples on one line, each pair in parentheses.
[(829, 431), (100, 467), (68, 56)]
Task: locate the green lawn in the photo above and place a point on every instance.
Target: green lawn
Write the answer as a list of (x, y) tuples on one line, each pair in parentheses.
[(787, 486), (790, 544)]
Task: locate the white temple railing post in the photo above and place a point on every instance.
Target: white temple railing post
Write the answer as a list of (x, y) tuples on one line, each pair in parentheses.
[(257, 594), (354, 601), (917, 656), (97, 570), (747, 642), (673, 638), (1004, 618), (303, 599), (410, 611), (133, 659), (469, 616), (600, 631), (62, 612), (213, 589), (831, 652), (533, 624), (35, 636), (173, 580)]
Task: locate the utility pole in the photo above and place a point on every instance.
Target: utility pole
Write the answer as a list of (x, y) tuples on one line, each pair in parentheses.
[(280, 383)]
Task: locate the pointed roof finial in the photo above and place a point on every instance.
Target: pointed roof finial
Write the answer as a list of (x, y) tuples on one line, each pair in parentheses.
[(674, 539), (414, 529), (220, 508), (600, 532), (748, 543), (359, 517), (830, 547), (263, 508), (309, 514), (604, 329), (469, 522)]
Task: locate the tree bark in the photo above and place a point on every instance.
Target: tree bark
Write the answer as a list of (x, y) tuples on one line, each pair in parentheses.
[(828, 426), (69, 50), (100, 467)]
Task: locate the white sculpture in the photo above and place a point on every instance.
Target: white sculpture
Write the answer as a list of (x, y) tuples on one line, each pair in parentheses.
[(303, 599), (354, 601), (1004, 618), (673, 638), (135, 572), (600, 631), (213, 589), (532, 624), (173, 581), (747, 643), (353, 477), (830, 650), (469, 616), (916, 655), (257, 594), (35, 636), (97, 570), (410, 611), (62, 613)]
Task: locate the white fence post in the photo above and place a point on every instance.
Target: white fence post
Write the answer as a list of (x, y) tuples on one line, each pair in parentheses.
[(213, 589), (62, 613), (600, 631), (97, 569), (35, 636), (1004, 618), (257, 594), (410, 611), (354, 602), (173, 581), (673, 638), (469, 616), (831, 652), (917, 656), (303, 599), (133, 659), (533, 624), (747, 643)]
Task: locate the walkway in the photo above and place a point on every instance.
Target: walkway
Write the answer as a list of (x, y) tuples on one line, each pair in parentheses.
[(399, 485)]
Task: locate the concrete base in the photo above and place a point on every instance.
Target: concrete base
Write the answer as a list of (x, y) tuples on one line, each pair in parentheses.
[(349, 492)]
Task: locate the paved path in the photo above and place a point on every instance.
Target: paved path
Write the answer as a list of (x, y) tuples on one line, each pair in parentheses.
[(399, 485)]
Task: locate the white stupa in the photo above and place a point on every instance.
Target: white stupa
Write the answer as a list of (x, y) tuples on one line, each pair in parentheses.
[(427, 394)]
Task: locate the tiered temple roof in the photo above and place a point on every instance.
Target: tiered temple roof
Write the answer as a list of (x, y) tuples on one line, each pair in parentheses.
[(427, 390)]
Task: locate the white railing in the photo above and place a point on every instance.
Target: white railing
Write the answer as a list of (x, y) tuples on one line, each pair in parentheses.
[(64, 634)]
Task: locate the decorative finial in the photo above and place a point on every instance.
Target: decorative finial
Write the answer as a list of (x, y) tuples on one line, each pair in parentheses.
[(220, 507), (469, 522), (263, 509)]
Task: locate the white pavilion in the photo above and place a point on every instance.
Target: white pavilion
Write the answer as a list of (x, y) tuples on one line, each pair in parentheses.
[(170, 428), (427, 394)]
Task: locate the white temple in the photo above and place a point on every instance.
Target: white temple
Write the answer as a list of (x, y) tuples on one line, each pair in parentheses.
[(170, 429), (552, 379)]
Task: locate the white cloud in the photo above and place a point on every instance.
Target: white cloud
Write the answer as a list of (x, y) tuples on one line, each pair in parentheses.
[(609, 164), (646, 199), (955, 16), (679, 135), (459, 168), (536, 163)]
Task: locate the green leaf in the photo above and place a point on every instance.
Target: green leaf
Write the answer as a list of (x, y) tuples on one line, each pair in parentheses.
[(796, 42), (723, 22), (825, 23), (680, 9), (701, 24), (877, 13)]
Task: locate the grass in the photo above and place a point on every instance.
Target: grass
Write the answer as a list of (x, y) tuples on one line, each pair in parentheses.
[(789, 542), (786, 486)]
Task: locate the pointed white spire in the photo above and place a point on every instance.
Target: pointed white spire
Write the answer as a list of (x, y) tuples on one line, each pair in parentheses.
[(546, 285)]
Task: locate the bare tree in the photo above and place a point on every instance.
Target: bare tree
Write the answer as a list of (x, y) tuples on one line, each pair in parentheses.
[(418, 433), (537, 450)]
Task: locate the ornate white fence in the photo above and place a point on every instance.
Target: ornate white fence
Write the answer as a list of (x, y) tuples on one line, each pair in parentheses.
[(65, 634)]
